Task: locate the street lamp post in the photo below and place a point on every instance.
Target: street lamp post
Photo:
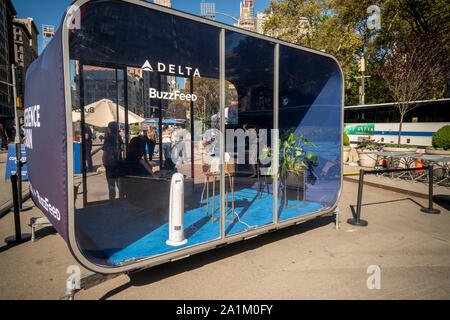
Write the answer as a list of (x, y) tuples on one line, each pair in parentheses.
[(16, 116)]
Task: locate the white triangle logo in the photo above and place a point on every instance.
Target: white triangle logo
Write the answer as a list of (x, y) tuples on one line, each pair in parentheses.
[(147, 66)]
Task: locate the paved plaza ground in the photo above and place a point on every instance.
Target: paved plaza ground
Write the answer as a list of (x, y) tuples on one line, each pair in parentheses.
[(308, 261)]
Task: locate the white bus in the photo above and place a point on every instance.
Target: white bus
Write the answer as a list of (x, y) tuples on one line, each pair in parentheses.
[(380, 122)]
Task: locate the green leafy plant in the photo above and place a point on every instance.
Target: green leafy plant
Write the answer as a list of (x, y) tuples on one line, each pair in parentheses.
[(441, 139), (433, 148), (395, 145), (100, 129), (293, 157), (371, 147), (134, 129), (346, 140)]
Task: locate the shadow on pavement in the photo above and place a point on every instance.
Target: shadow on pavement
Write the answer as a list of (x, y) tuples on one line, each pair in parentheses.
[(353, 207), (166, 270), (443, 200)]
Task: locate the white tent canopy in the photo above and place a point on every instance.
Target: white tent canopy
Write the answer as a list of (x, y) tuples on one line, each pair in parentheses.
[(104, 111)]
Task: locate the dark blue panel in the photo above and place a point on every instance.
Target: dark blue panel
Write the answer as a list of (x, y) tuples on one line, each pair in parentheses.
[(117, 33), (310, 106)]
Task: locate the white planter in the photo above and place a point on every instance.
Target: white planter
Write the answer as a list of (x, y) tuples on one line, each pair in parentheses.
[(345, 153), (404, 150), (438, 152), (367, 160)]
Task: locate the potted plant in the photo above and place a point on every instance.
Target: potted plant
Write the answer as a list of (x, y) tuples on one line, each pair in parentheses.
[(392, 162), (405, 148), (346, 143), (367, 160), (294, 160), (440, 142)]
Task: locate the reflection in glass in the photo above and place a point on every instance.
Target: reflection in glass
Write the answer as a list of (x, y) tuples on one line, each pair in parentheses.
[(309, 120), (147, 133), (154, 116), (249, 70)]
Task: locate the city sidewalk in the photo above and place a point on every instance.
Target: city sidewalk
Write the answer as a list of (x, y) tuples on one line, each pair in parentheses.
[(308, 261)]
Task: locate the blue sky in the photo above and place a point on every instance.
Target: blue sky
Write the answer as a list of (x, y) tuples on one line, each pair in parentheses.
[(50, 11)]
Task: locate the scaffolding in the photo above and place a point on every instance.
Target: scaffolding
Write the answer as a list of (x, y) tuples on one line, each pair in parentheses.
[(208, 10), (48, 32)]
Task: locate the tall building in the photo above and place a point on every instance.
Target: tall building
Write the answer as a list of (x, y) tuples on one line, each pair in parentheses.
[(7, 12), (48, 32), (248, 19), (165, 3), (261, 18), (25, 52)]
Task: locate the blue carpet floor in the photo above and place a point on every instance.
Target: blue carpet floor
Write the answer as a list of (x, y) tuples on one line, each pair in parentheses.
[(124, 232)]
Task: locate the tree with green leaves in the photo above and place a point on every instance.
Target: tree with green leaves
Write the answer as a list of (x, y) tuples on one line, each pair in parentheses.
[(340, 27), (413, 70)]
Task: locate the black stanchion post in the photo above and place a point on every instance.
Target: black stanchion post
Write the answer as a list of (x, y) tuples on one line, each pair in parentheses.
[(357, 221), (18, 237), (19, 172), (430, 208)]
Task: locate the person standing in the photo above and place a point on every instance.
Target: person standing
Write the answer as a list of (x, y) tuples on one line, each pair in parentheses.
[(22, 134), (151, 142), (88, 147), (111, 155), (12, 134), (3, 138), (167, 148)]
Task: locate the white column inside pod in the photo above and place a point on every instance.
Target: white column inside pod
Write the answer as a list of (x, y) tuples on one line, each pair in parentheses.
[(176, 211)]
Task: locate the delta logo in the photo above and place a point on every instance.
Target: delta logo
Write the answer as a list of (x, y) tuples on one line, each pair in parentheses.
[(172, 69)]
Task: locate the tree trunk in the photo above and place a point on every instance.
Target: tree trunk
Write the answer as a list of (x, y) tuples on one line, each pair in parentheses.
[(400, 127)]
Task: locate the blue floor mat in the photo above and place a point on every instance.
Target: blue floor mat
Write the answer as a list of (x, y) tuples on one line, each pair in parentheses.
[(125, 232)]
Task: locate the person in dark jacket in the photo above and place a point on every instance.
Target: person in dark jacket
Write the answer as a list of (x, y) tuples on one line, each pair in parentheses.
[(3, 138), (88, 147), (111, 155), (136, 163)]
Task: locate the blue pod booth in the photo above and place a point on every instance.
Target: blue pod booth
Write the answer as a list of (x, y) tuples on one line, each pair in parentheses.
[(157, 134)]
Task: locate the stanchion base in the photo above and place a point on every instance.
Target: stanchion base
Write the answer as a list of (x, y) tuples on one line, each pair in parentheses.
[(176, 243), (430, 210), (360, 223), (24, 208), (12, 239)]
